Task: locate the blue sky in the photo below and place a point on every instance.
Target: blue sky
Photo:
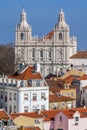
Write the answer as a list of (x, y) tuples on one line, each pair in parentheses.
[(42, 15)]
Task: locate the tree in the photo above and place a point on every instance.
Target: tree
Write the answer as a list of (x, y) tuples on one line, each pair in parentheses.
[(7, 56)]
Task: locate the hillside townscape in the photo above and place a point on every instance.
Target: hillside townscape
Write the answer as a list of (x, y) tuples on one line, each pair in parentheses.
[(43, 80)]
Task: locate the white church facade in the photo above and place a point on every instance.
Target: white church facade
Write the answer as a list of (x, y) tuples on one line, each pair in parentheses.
[(51, 52)]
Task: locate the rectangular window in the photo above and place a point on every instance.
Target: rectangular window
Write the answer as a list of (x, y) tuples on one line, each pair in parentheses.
[(37, 121), (41, 55), (14, 96), (43, 96), (72, 94), (37, 83), (33, 55), (34, 96), (14, 109), (60, 118), (21, 84), (25, 108), (62, 104), (49, 54), (1, 95), (6, 108), (10, 109), (5, 96), (25, 96), (43, 107), (10, 96), (34, 108), (76, 118)]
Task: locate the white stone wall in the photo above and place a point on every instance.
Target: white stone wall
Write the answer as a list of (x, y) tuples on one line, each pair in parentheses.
[(15, 95), (61, 48), (80, 64), (30, 102)]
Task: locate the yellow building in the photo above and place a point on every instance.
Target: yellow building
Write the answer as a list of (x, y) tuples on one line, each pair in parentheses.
[(62, 87), (61, 102), (28, 120)]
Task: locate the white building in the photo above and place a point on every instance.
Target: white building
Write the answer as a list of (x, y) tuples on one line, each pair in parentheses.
[(83, 88), (24, 91), (79, 61), (51, 52)]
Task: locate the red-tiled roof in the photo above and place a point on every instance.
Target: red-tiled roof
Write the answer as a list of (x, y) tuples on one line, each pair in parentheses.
[(55, 86), (28, 114), (79, 55), (70, 112), (49, 35), (54, 98), (49, 115), (4, 115), (29, 73), (69, 79), (55, 83), (84, 77), (85, 87), (31, 128)]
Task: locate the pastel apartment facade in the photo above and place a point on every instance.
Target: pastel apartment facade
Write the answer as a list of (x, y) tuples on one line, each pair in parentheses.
[(61, 102), (79, 61), (83, 89), (62, 87), (29, 119), (71, 120), (24, 91), (63, 119)]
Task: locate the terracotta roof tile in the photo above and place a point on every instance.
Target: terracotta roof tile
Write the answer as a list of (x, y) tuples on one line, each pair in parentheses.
[(4, 115), (79, 55), (29, 73), (49, 114), (70, 112), (49, 35), (31, 128), (69, 79), (54, 98), (84, 77), (55, 84), (28, 114), (85, 87)]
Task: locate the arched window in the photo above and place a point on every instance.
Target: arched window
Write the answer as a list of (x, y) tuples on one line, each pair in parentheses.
[(22, 36), (60, 36), (41, 54), (33, 54)]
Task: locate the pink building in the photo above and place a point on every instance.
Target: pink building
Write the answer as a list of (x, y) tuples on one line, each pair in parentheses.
[(71, 119)]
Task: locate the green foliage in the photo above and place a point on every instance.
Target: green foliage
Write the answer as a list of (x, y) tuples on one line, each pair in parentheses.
[(7, 56)]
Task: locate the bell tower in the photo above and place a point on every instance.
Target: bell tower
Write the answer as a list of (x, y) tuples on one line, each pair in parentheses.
[(23, 31), (61, 30), (23, 36), (67, 46)]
